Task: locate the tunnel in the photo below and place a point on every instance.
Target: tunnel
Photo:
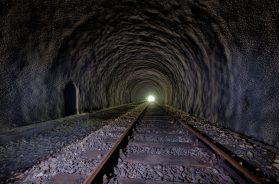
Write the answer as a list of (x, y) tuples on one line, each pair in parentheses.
[(215, 60)]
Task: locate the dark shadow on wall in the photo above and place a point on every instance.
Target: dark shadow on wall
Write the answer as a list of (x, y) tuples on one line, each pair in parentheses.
[(71, 99)]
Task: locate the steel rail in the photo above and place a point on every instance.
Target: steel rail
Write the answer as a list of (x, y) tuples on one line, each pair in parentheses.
[(96, 176), (235, 164)]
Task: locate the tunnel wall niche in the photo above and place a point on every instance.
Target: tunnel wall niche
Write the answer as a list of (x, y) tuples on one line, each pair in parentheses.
[(71, 96), (213, 59)]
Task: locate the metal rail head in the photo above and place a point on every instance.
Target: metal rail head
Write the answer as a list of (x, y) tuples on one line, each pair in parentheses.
[(110, 159), (219, 151)]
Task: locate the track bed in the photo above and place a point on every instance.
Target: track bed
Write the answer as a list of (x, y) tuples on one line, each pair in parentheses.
[(159, 149)]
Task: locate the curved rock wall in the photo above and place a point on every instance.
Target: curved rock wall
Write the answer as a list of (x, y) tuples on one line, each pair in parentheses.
[(214, 59)]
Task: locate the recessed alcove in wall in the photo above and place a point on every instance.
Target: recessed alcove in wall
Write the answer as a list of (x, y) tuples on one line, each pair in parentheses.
[(71, 95)]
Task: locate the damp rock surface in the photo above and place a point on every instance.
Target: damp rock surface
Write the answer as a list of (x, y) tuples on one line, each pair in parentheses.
[(214, 59)]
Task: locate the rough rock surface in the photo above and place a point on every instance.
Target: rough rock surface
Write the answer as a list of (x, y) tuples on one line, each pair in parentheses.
[(215, 59)]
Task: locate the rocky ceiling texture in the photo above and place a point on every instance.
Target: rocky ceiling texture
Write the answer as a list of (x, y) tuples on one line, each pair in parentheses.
[(214, 59)]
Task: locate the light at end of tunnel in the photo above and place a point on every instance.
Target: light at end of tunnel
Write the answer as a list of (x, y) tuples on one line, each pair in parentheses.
[(151, 98)]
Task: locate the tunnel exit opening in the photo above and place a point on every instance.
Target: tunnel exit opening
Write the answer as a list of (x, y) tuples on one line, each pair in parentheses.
[(150, 98), (71, 99)]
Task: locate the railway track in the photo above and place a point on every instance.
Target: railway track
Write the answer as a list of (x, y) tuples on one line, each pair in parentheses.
[(156, 148)]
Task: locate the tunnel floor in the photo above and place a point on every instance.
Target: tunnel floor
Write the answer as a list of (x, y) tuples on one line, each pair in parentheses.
[(22, 147), (257, 156), (65, 148)]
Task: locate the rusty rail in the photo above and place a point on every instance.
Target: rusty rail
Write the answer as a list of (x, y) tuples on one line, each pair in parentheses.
[(235, 164), (96, 176)]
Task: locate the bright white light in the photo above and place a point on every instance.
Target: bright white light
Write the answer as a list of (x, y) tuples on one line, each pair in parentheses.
[(150, 98)]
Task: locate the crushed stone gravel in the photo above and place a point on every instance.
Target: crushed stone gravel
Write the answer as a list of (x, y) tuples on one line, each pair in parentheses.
[(58, 150), (259, 155)]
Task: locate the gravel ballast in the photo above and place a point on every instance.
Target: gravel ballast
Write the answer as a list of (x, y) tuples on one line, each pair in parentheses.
[(43, 149), (161, 156), (264, 158)]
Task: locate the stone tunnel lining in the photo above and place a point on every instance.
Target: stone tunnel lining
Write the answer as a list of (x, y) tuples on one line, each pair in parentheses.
[(216, 60)]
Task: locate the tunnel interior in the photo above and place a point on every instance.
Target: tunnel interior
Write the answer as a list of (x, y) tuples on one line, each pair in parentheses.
[(217, 60)]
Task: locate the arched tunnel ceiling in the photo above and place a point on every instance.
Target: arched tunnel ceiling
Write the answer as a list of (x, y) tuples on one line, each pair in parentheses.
[(213, 59)]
